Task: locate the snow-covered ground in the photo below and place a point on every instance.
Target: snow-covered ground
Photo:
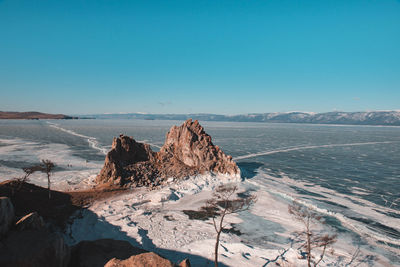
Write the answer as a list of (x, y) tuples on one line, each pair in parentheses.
[(155, 220)]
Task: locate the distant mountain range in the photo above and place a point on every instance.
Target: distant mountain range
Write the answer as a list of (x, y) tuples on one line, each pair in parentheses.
[(336, 117), (31, 115)]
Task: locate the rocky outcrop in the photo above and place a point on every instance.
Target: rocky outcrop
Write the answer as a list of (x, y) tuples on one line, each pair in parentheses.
[(6, 215), (99, 252), (188, 150), (124, 153), (191, 146), (149, 259), (113, 253)]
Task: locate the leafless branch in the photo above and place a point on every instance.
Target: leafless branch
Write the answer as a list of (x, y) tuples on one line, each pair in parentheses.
[(223, 203), (313, 240)]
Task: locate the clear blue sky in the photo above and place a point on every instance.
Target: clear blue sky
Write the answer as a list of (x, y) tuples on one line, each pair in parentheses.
[(228, 57)]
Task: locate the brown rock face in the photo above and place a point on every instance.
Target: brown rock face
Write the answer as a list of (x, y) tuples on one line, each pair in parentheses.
[(187, 151), (113, 253), (125, 152), (99, 252), (148, 259), (190, 145)]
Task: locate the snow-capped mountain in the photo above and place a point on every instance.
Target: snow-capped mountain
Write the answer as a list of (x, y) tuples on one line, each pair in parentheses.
[(335, 117)]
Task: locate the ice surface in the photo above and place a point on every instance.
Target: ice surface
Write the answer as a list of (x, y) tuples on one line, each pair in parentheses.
[(269, 152), (91, 140), (348, 173), (71, 172)]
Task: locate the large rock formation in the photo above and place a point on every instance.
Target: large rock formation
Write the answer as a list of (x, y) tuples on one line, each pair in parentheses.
[(187, 151), (124, 154), (189, 146)]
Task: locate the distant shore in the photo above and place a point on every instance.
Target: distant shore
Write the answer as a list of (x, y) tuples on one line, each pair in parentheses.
[(33, 115)]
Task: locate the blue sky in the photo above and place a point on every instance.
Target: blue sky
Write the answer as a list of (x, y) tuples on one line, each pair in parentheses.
[(228, 57)]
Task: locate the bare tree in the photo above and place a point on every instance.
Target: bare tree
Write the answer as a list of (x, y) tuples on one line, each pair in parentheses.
[(47, 167), (19, 181), (223, 203), (312, 240)]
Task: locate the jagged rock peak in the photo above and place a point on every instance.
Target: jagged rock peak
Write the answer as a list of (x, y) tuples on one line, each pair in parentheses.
[(125, 148), (190, 144), (188, 150), (124, 152)]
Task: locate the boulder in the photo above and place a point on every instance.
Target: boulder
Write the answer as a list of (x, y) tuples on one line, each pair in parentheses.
[(99, 252), (32, 221), (32, 248), (149, 259), (188, 150), (6, 215)]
